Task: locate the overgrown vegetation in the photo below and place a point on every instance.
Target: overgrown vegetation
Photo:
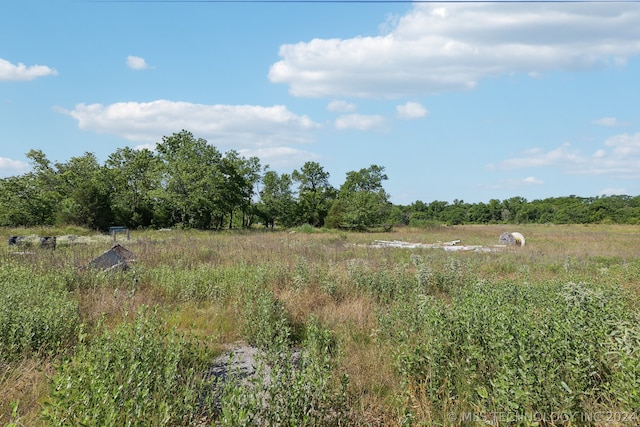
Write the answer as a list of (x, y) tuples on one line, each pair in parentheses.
[(38, 316), (138, 374), (348, 334), (517, 348)]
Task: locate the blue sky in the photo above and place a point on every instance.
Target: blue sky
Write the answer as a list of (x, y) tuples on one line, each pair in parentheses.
[(457, 101)]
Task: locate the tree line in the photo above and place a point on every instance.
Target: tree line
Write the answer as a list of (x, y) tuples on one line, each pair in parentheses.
[(614, 209), (188, 183)]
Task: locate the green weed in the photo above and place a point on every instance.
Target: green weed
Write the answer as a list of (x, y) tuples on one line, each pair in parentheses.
[(37, 314), (138, 374)]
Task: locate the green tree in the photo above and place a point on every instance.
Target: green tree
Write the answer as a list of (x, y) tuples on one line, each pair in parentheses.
[(363, 202), (85, 189), (511, 207), (315, 193), (133, 176), (456, 213), (20, 202), (277, 204), (479, 213), (436, 210), (239, 179), (191, 180), (495, 210), (30, 199)]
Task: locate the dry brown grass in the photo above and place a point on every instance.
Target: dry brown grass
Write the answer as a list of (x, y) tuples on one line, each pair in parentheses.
[(113, 304), (24, 383)]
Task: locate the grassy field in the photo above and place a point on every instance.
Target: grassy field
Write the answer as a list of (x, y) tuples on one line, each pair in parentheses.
[(545, 333)]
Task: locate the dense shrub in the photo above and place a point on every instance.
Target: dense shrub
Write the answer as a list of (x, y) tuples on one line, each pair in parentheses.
[(37, 314), (508, 347), (265, 323), (140, 374)]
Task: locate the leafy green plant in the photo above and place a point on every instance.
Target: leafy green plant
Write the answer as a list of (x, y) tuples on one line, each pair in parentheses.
[(37, 313), (265, 322), (384, 285), (290, 388), (138, 374), (492, 347)]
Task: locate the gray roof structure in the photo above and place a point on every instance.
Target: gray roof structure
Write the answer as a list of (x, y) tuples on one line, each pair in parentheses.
[(116, 258)]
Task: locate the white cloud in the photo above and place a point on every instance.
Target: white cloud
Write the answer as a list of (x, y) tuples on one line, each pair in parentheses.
[(225, 126), (435, 48), (10, 167), (607, 121), (137, 63), (339, 106), (21, 72), (532, 180), (536, 157), (411, 110), (620, 157), (599, 154), (149, 146), (514, 183), (359, 122)]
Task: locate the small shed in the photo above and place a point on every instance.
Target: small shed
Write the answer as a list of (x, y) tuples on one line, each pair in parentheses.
[(117, 258)]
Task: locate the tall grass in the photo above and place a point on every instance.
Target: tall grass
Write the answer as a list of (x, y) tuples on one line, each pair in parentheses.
[(37, 315), (417, 332), (139, 374)]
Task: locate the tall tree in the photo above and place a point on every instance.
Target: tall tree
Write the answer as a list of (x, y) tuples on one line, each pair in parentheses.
[(133, 175), (22, 202), (315, 193), (362, 201), (190, 180), (85, 193), (239, 179), (30, 199), (277, 204)]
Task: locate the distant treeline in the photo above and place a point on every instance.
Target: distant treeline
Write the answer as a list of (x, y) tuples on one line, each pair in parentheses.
[(188, 183), (617, 209)]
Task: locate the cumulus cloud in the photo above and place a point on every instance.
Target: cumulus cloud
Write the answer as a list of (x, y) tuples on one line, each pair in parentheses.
[(339, 106), (137, 63), (532, 180), (225, 126), (411, 110), (607, 121), (359, 122), (10, 167), (536, 157), (435, 48), (620, 157), (21, 72)]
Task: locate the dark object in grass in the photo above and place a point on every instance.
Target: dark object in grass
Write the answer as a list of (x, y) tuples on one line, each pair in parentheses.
[(117, 258), (48, 242)]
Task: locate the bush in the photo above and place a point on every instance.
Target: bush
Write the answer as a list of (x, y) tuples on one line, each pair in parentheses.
[(139, 374), (265, 323), (492, 348), (37, 314)]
